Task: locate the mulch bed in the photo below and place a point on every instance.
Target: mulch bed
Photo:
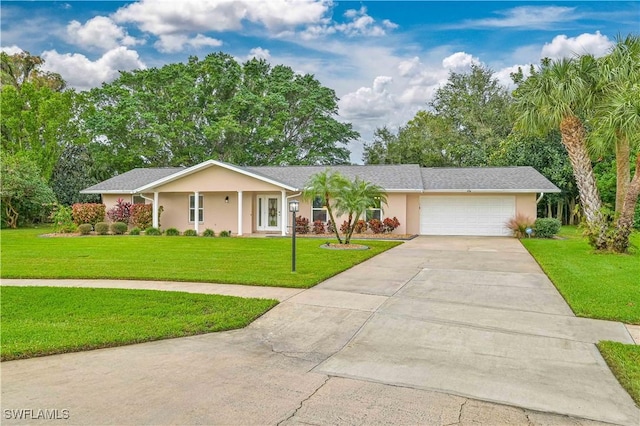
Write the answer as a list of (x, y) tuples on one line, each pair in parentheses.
[(366, 236)]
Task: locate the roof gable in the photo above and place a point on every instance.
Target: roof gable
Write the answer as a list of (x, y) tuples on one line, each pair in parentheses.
[(127, 183)]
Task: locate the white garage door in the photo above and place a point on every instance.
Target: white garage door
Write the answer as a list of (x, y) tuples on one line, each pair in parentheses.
[(466, 215)]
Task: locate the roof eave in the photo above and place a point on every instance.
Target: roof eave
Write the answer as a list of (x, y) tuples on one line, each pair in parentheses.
[(108, 191), (511, 191)]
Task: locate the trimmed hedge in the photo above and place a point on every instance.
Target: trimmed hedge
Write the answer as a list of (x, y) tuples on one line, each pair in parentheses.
[(102, 228), (118, 228), (208, 233), (190, 233), (85, 229), (546, 227), (152, 231), (134, 231)]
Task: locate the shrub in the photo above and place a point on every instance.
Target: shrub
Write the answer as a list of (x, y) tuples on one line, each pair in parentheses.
[(376, 226), (390, 224), (546, 227), (361, 226), (302, 225), (344, 228), (152, 231), (208, 233), (85, 228), (519, 224), (142, 215), (121, 212), (171, 232), (118, 228), (330, 228), (63, 220), (134, 231), (102, 228), (190, 233), (225, 233), (88, 213), (318, 227)]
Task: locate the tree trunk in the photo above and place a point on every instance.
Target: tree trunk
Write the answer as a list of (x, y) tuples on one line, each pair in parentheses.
[(573, 139), (623, 171), (560, 212), (335, 225), (12, 216), (624, 225)]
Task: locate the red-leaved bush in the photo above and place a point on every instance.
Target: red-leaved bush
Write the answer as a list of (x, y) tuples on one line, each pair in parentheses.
[(390, 224), (88, 213), (121, 212), (318, 227), (376, 226), (302, 225), (142, 215)]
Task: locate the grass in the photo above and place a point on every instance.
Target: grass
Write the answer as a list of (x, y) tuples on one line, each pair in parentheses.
[(624, 361), (252, 261), (39, 321), (597, 285)]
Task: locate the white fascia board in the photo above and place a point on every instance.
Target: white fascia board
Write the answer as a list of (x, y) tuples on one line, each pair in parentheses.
[(417, 191), (206, 164), (509, 191)]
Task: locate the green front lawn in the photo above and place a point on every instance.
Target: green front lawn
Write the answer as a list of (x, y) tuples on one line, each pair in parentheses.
[(597, 285), (253, 261), (40, 321)]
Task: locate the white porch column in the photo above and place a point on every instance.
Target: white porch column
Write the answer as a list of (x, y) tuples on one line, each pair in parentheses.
[(239, 212), (284, 213), (156, 209), (196, 206)]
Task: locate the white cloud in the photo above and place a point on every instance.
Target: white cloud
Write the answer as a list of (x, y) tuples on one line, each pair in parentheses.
[(504, 75), (565, 47), (410, 67), (170, 43), (185, 16), (369, 102), (100, 32), (82, 73), (526, 17), (259, 53), (11, 50), (360, 24), (459, 62)]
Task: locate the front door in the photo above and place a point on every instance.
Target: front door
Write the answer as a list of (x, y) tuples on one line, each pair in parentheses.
[(269, 215)]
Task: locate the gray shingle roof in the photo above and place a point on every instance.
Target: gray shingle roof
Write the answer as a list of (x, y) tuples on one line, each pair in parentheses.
[(391, 177), (489, 178), (401, 177), (131, 180)]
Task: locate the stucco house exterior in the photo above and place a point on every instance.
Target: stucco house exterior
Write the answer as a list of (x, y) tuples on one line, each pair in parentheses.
[(247, 200)]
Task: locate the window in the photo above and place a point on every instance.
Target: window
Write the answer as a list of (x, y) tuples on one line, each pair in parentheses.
[(375, 211), (192, 208), (138, 200), (318, 211)]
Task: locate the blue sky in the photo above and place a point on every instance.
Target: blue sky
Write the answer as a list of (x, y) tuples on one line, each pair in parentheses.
[(384, 59)]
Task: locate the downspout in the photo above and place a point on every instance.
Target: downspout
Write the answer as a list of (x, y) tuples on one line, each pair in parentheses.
[(540, 198)]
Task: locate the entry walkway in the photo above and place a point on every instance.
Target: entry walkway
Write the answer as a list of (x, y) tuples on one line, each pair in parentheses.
[(435, 331)]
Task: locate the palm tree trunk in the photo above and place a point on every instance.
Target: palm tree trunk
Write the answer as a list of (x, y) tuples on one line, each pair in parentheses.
[(335, 225), (625, 221), (573, 139), (623, 171)]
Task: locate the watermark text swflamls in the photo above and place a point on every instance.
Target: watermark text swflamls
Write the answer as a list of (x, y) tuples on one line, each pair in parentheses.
[(36, 414)]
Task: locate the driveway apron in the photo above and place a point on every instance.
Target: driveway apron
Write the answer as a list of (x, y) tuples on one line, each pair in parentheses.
[(435, 331), (479, 318)]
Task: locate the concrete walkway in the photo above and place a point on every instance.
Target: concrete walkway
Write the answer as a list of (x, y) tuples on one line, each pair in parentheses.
[(436, 331)]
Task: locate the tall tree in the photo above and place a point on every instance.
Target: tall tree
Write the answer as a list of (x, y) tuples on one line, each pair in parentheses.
[(466, 121), (353, 200), (248, 113), (20, 68), (557, 96)]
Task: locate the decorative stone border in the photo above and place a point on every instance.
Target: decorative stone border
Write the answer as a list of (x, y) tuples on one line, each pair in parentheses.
[(334, 246)]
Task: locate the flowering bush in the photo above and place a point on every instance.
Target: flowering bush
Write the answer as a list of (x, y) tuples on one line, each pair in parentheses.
[(376, 226), (142, 215), (361, 226), (318, 227), (88, 213), (390, 224), (302, 225), (121, 212)]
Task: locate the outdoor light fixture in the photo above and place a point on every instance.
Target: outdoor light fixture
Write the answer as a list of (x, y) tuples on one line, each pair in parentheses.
[(294, 206), (226, 199)]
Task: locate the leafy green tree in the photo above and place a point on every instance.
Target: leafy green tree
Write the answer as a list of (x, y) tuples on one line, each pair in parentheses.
[(354, 198), (24, 192), (466, 121), (74, 171), (326, 185), (20, 68), (185, 113), (558, 96)]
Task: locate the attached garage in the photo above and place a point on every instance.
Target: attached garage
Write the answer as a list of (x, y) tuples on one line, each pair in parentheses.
[(466, 215)]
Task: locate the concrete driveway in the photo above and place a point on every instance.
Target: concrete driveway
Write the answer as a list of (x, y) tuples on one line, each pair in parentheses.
[(437, 331)]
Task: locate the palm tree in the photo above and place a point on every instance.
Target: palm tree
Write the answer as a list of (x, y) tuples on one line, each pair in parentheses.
[(354, 199), (557, 96), (326, 185), (617, 125)]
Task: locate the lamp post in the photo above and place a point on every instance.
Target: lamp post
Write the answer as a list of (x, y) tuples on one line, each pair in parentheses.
[(294, 206)]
